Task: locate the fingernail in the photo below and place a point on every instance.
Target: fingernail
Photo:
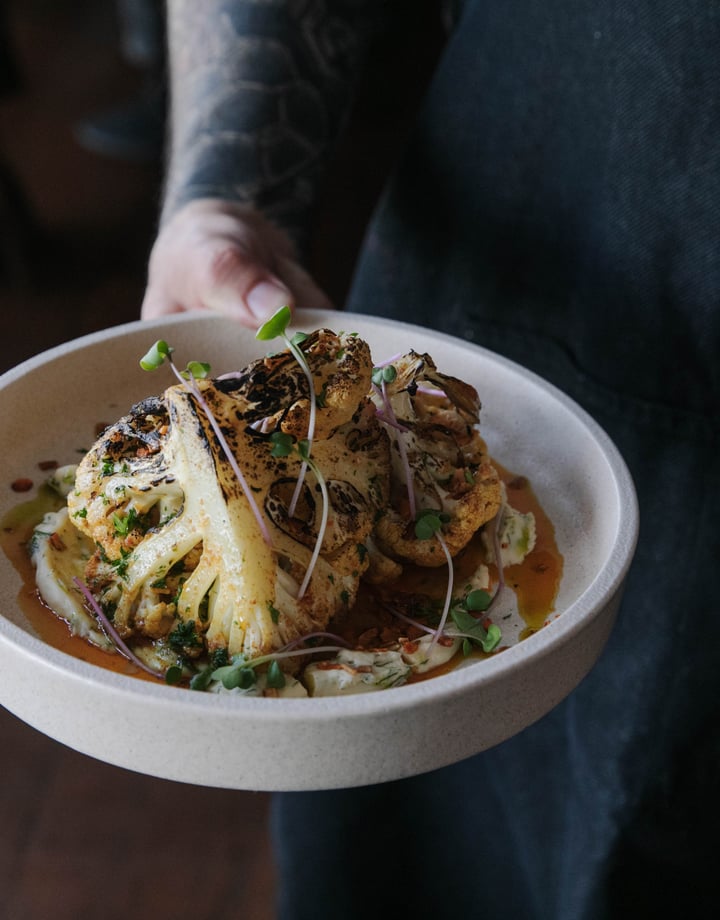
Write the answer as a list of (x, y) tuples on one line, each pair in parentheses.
[(266, 297)]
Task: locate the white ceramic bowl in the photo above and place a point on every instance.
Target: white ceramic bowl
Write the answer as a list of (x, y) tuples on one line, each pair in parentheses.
[(50, 405)]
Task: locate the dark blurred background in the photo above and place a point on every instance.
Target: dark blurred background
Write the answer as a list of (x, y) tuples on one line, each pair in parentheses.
[(81, 130), (75, 225)]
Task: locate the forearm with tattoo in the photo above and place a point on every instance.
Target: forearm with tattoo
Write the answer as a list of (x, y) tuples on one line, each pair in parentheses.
[(259, 89)]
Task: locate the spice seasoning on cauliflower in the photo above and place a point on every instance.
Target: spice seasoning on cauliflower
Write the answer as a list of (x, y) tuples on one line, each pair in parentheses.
[(223, 526)]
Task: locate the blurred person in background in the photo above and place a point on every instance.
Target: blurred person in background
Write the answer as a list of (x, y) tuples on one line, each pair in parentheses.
[(134, 130), (557, 201)]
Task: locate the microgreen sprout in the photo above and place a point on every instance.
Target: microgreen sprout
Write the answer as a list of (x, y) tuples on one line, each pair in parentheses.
[(241, 671), (497, 549), (473, 630), (196, 370), (276, 327), (463, 614), (155, 357), (382, 375), (283, 445), (428, 525)]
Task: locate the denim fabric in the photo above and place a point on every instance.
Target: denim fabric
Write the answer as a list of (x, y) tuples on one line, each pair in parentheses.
[(559, 203)]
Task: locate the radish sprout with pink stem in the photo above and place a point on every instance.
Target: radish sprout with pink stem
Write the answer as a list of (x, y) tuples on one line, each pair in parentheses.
[(161, 352), (381, 376), (283, 446), (429, 524), (241, 671), (275, 328)]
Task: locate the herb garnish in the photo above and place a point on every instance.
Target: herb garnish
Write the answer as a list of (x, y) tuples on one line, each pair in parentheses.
[(153, 359)]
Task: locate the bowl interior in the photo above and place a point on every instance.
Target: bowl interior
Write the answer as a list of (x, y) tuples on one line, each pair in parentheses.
[(51, 406)]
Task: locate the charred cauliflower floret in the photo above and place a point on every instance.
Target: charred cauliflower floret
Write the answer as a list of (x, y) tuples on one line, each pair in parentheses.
[(276, 388), (435, 440), (181, 555)]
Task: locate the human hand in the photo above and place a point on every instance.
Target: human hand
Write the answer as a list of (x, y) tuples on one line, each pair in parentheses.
[(226, 257)]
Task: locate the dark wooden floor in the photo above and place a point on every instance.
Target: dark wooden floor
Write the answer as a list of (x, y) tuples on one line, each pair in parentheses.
[(79, 838)]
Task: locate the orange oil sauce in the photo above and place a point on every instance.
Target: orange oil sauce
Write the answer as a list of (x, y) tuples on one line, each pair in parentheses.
[(535, 583), (15, 533)]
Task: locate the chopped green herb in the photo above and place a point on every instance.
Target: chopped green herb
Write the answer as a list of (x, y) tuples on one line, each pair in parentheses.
[(184, 636), (124, 524)]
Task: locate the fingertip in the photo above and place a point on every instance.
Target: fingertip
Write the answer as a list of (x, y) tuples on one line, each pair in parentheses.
[(266, 297)]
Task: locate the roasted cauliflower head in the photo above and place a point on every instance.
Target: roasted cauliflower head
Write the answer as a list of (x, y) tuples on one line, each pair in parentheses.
[(438, 454), (182, 554)]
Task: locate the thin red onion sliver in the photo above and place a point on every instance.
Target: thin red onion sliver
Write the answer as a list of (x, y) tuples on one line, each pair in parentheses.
[(431, 391), (391, 360), (113, 634), (315, 635), (448, 595), (497, 549), (193, 388), (305, 367), (392, 420)]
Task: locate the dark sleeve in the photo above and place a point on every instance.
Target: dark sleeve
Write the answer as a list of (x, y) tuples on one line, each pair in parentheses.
[(259, 92)]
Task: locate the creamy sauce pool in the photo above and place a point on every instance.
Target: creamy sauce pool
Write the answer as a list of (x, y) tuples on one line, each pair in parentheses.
[(535, 582), (15, 533)]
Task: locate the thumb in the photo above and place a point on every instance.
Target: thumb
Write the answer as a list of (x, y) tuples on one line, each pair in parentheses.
[(263, 299), (242, 288), (266, 297)]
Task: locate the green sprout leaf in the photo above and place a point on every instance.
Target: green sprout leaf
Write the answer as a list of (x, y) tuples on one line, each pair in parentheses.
[(282, 444), (202, 680), (275, 326), (173, 675), (478, 600), (184, 636), (386, 374), (428, 523), (236, 674), (156, 356), (197, 369), (275, 676), (245, 679), (303, 448), (474, 630)]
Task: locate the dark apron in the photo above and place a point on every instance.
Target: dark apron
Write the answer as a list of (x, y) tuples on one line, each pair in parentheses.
[(560, 203)]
